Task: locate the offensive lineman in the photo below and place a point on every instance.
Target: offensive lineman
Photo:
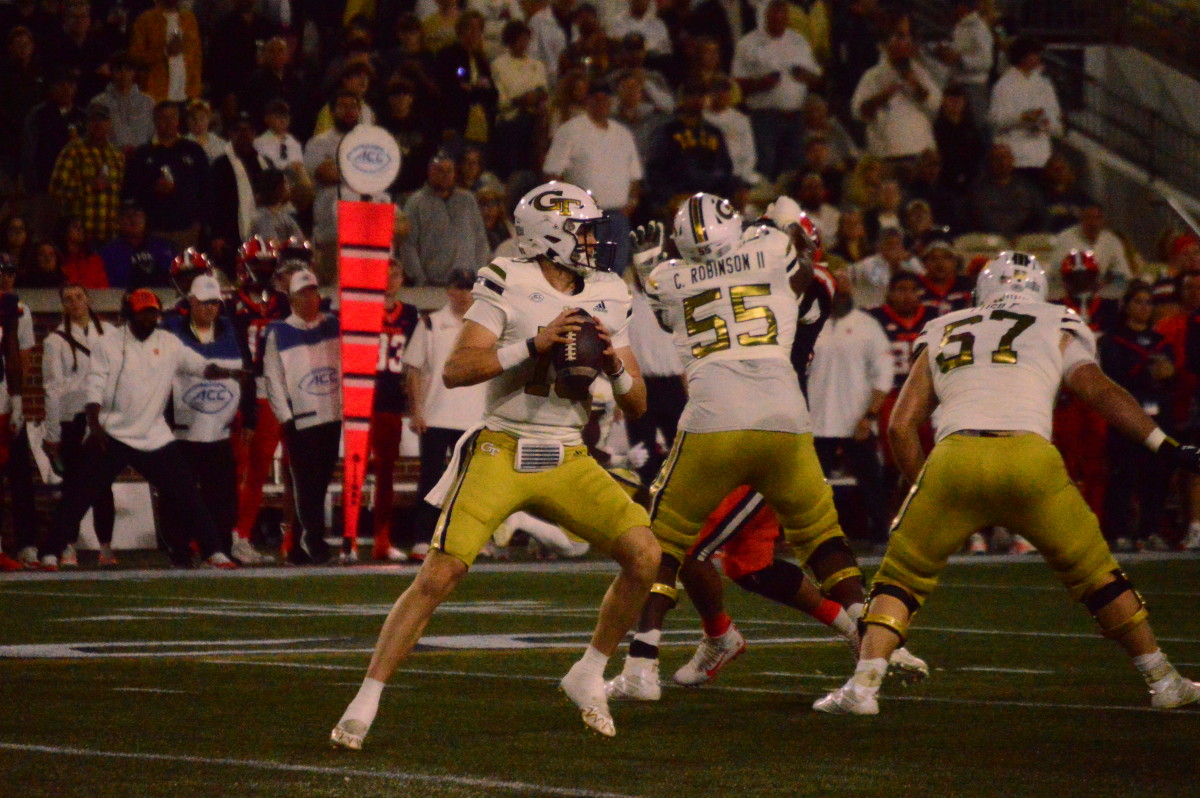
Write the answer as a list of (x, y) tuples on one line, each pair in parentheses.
[(992, 373), (529, 452)]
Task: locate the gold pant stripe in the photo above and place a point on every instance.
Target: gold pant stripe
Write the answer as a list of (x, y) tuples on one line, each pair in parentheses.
[(468, 451), (664, 473)]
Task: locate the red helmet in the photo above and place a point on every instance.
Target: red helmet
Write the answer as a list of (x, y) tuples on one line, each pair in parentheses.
[(295, 253), (1079, 261), (187, 266), (257, 261)]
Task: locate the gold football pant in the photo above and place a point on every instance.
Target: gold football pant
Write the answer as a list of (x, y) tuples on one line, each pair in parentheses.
[(1017, 482), (703, 467), (578, 495)]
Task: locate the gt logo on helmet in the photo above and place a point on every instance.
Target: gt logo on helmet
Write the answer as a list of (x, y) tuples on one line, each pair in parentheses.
[(558, 203)]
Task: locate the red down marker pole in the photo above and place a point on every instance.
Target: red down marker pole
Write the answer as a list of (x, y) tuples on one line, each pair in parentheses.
[(364, 247)]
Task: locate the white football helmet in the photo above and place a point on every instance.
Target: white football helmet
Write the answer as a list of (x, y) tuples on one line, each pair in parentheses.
[(1013, 275), (706, 227), (551, 220)]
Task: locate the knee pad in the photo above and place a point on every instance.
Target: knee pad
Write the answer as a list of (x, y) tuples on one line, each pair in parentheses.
[(1100, 597), (896, 625), (780, 581), (838, 551), (671, 592)]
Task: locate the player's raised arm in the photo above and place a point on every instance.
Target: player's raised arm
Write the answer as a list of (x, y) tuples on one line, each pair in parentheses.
[(476, 359)]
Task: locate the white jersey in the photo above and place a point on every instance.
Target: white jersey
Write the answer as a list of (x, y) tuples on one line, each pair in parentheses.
[(514, 300), (733, 321), (999, 366)]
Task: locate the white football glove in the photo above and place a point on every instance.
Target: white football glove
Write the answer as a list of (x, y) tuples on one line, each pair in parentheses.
[(637, 456), (647, 243)]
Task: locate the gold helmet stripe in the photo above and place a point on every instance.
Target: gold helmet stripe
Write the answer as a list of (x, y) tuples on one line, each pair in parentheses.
[(697, 214)]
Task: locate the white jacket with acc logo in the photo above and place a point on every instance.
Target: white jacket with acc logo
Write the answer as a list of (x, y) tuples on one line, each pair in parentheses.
[(302, 368)]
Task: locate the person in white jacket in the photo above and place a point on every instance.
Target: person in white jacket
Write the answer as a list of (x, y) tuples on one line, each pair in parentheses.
[(66, 355), (302, 367)]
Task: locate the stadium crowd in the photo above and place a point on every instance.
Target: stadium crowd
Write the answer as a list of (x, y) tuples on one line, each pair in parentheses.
[(193, 145)]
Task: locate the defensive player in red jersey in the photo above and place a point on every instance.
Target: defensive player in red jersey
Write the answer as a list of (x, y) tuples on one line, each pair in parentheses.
[(389, 410), (902, 317), (187, 266), (259, 302)]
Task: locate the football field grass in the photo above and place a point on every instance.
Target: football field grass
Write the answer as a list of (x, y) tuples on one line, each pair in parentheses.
[(215, 684)]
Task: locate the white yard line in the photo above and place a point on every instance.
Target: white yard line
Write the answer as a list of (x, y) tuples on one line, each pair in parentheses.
[(520, 787)]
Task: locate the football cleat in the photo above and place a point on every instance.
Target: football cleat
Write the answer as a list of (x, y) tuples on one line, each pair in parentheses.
[(713, 654), (69, 558), (219, 561), (390, 555), (419, 552), (587, 692), (977, 544), (349, 734), (1174, 691), (847, 701), (1192, 541), (28, 557), (245, 553), (348, 558), (909, 668), (9, 564), (49, 563), (635, 685), (1021, 546)]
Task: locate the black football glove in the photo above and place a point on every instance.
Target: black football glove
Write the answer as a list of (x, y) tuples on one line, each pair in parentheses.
[(1177, 455)]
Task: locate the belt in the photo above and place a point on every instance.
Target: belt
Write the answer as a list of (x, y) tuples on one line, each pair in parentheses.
[(991, 433)]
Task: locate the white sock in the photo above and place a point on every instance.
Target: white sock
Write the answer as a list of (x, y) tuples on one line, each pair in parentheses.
[(592, 663), (843, 624), (868, 676), (366, 703), (1154, 666), (549, 535), (855, 611)]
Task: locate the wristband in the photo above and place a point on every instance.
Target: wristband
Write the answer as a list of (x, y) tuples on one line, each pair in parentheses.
[(1155, 439), (513, 355), (622, 382)]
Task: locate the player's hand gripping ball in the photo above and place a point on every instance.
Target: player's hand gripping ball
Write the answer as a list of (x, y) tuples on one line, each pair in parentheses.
[(578, 360)]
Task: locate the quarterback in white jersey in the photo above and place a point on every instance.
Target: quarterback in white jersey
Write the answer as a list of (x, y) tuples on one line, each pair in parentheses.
[(528, 453), (989, 375)]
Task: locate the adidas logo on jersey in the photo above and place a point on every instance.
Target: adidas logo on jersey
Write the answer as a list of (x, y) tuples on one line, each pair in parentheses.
[(600, 307)]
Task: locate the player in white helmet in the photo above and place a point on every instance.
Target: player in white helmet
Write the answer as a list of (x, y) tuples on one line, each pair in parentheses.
[(991, 373), (529, 451)]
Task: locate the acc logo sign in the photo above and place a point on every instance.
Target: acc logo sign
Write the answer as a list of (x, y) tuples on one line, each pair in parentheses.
[(555, 201), (208, 397), (369, 159), (320, 382)]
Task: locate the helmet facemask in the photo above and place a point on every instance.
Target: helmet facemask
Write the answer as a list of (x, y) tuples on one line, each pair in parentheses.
[(588, 251)]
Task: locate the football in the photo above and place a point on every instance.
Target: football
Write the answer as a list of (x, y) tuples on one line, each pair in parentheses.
[(577, 362)]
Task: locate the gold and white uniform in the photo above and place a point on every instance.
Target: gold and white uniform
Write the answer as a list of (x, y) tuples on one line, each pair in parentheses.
[(996, 371), (733, 321), (514, 301)]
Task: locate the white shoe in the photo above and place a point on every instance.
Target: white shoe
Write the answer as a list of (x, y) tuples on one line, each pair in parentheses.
[(1192, 541), (349, 734), (69, 558), (587, 693), (713, 654), (348, 558), (1174, 691), (1156, 543), (220, 561), (977, 544), (392, 555), (419, 552), (49, 563), (574, 549), (906, 666), (28, 557), (635, 685), (246, 554), (1021, 546), (847, 701)]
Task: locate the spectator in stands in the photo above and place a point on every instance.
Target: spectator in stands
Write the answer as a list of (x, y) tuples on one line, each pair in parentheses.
[(496, 15), (439, 26), (725, 23), (688, 155), (1142, 362), (1182, 253), (638, 18), (493, 206), (599, 154), (550, 23), (1064, 199), (448, 235), (1024, 111), (416, 134), (320, 159), (946, 290), (919, 226), (18, 470), (235, 176), (635, 112), (277, 146), (128, 384), (17, 245), (131, 109), (410, 60), (87, 177), (277, 79), (439, 415), (819, 123), (589, 46), (462, 72), (49, 127), (135, 259), (301, 364), (897, 99), (928, 184), (570, 98), (169, 178), (886, 211), (970, 55), (775, 68), (870, 277), (849, 377), (199, 119), (1180, 329), (734, 126), (165, 43), (809, 192), (80, 48), (1003, 201), (852, 243), (273, 220), (66, 353), (631, 54), (233, 47), (1091, 234), (959, 142), (47, 268), (818, 158), (356, 79), (22, 86), (522, 89), (81, 265)]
